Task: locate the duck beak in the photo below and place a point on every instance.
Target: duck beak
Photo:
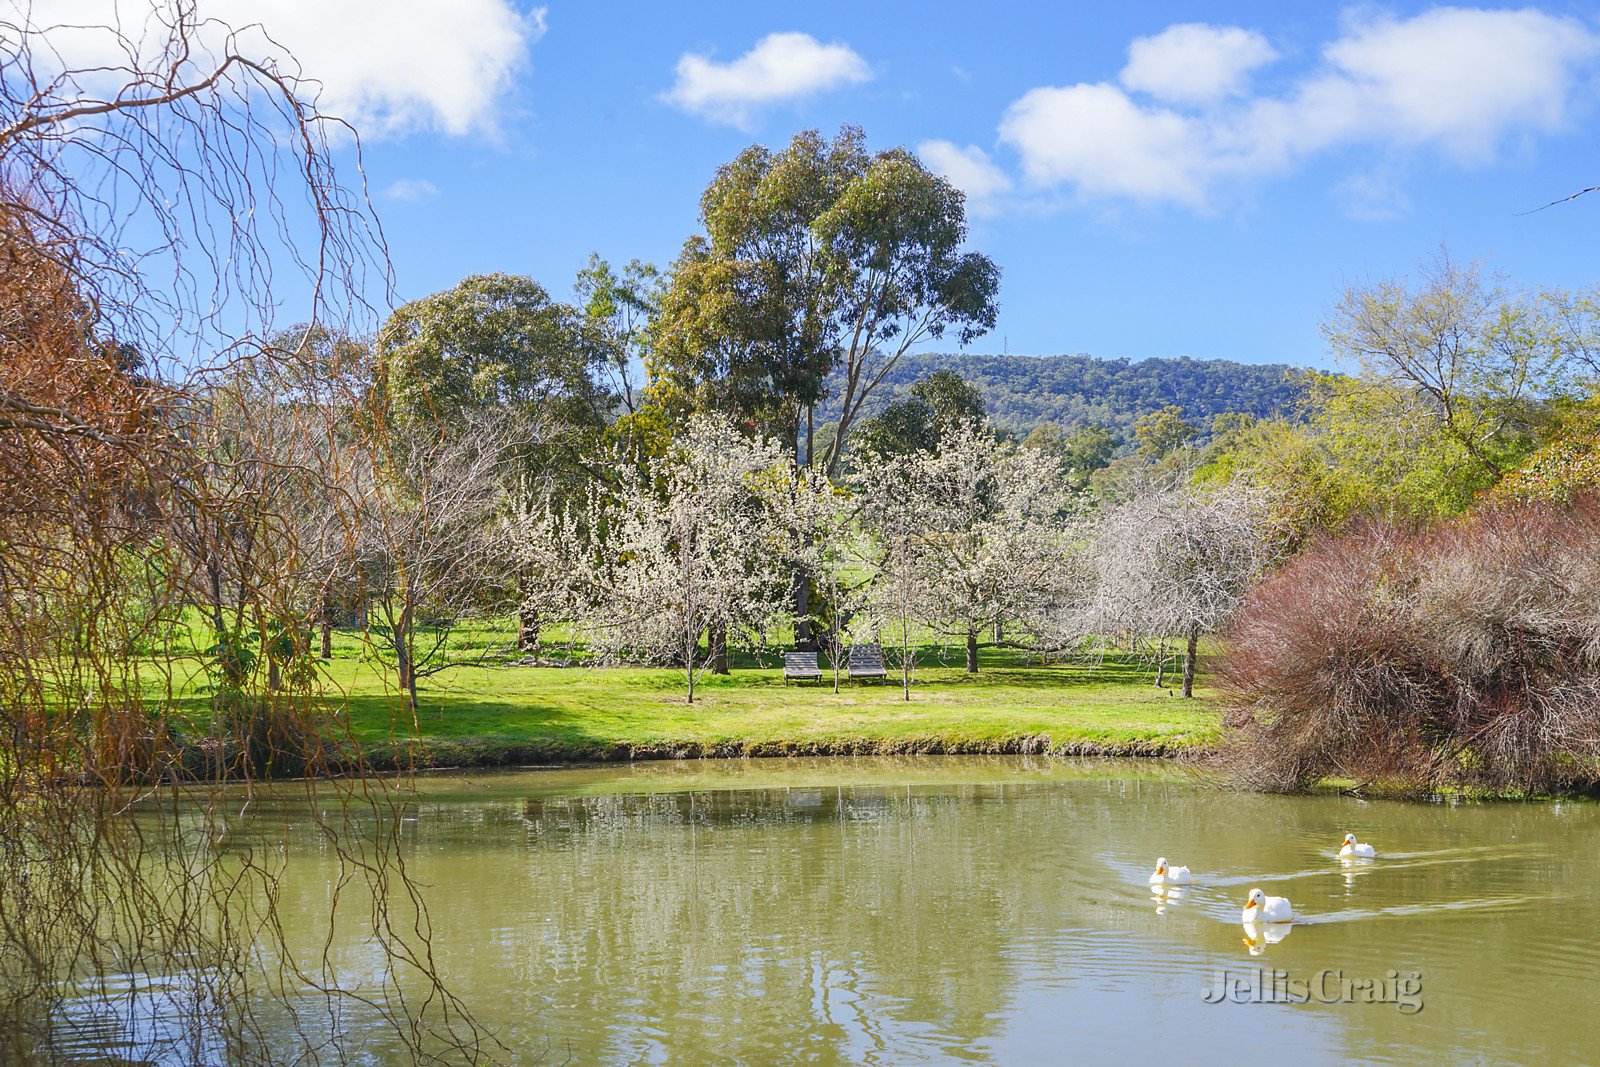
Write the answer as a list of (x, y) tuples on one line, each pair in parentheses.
[(1161, 870), (1249, 904)]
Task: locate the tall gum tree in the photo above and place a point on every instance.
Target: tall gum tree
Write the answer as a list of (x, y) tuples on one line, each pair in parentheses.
[(819, 259)]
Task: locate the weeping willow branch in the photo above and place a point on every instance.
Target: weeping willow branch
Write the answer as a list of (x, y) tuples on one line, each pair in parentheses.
[(161, 450)]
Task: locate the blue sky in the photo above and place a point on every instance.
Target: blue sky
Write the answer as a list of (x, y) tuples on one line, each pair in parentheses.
[(1153, 179)]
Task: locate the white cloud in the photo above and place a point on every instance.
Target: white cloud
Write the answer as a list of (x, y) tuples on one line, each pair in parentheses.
[(1094, 138), (969, 169), (1192, 63), (410, 190), (1456, 78), (1456, 81), (781, 66), (386, 66)]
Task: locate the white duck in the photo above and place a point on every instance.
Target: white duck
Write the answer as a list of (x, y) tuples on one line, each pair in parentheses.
[(1169, 875), (1354, 848), (1261, 908)]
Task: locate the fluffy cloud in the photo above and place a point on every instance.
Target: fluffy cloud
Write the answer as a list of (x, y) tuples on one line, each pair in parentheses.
[(386, 66), (1457, 81), (782, 66), (1192, 63), (1094, 138), (969, 169)]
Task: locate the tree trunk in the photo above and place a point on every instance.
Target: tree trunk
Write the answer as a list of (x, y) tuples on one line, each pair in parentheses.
[(717, 640), (404, 664), (905, 670), (811, 437), (1188, 659), (274, 675), (527, 624), (325, 626), (972, 651), (804, 639)]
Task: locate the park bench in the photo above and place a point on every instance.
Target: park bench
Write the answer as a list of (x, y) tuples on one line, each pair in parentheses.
[(801, 667), (866, 661)]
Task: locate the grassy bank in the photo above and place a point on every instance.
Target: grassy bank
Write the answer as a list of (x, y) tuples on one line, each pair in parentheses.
[(479, 716), (485, 712)]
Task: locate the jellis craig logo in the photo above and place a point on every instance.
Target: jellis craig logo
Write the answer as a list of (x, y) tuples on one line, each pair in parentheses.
[(1403, 989)]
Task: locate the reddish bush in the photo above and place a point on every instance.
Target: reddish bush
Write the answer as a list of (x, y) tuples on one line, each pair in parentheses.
[(1468, 652)]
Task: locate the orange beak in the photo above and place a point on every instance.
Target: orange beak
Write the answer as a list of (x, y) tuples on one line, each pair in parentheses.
[(1249, 904), (1161, 870)]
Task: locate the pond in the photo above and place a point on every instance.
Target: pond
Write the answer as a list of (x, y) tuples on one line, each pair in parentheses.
[(992, 910)]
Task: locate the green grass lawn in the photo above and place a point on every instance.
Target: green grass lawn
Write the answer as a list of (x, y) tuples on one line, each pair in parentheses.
[(495, 714), (485, 711)]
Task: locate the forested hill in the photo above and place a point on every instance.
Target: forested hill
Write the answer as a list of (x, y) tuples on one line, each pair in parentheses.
[(1021, 391)]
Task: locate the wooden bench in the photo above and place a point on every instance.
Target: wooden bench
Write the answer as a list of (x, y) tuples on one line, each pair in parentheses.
[(801, 667), (866, 661)]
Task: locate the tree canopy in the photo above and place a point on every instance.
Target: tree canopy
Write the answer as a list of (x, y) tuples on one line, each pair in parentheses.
[(821, 259), (491, 340)]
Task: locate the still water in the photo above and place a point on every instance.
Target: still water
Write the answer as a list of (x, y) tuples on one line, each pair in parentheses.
[(993, 910)]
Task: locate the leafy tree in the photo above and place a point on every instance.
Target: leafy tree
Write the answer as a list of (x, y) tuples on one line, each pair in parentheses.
[(904, 426), (491, 341), (1361, 447), (937, 406), (816, 260), (953, 401), (1079, 453), (1163, 432), (1477, 357), (1567, 465), (616, 311)]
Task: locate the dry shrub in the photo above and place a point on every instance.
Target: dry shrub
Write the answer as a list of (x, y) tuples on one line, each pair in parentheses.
[(1466, 653)]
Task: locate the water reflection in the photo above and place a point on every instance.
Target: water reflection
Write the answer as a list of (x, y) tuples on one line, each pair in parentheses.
[(1353, 867), (1163, 895), (1257, 936)]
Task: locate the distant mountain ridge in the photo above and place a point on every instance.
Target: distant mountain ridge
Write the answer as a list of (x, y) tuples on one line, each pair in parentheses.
[(1023, 391)]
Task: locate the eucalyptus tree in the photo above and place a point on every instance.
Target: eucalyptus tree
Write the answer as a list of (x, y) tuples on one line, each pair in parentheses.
[(1080, 453), (617, 308), (819, 259)]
